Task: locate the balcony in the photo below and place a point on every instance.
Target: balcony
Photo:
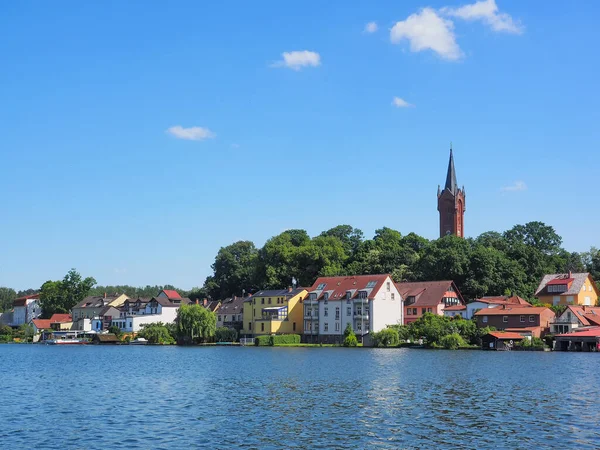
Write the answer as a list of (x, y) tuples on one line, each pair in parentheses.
[(364, 315), (313, 332), (361, 300), (309, 317), (572, 321)]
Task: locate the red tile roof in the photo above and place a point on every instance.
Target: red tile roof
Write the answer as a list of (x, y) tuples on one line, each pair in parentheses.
[(505, 335), (509, 310), (22, 301), (337, 287), (60, 318), (42, 324), (170, 293), (503, 300), (560, 281), (522, 329), (427, 293), (455, 308), (586, 314), (590, 332)]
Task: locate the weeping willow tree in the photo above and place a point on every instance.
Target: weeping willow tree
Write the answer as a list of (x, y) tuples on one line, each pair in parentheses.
[(195, 324)]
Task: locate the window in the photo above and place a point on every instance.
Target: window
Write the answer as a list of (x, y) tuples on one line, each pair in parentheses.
[(429, 310), (326, 327), (371, 284), (250, 326), (321, 286), (337, 326), (359, 326), (326, 311), (504, 319), (363, 295), (423, 310), (408, 311), (262, 301), (348, 295), (253, 312), (349, 311), (294, 326), (590, 288), (531, 319), (262, 327), (388, 286), (269, 300), (393, 296), (557, 288), (337, 313), (219, 318), (485, 319), (522, 319), (415, 311)]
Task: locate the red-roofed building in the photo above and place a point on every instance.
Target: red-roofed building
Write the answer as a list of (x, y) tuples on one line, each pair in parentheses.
[(581, 340), (428, 297), (568, 289), (493, 302), (56, 322), (528, 318), (170, 294), (574, 317), (368, 303), (25, 309), (501, 340)]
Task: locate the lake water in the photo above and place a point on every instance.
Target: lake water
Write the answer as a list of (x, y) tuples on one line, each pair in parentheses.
[(227, 397)]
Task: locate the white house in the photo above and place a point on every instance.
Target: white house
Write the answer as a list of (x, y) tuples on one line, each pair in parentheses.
[(25, 309), (135, 313), (369, 303)]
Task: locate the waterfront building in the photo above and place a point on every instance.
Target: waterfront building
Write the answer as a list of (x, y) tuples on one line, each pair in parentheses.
[(369, 303), (135, 313), (502, 340), (467, 311), (276, 311), (58, 322), (25, 309), (575, 317), (230, 313), (451, 204), (535, 319), (579, 340), (102, 321), (433, 297), (92, 307), (568, 289)]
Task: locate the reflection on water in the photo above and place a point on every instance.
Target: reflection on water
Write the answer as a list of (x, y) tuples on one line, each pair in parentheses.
[(169, 397)]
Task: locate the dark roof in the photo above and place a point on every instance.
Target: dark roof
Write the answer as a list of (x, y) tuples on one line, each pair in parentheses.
[(22, 301), (451, 183), (232, 305), (213, 305), (108, 337), (427, 293), (277, 293), (95, 301)]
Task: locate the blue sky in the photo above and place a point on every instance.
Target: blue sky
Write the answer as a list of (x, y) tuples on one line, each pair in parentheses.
[(260, 142)]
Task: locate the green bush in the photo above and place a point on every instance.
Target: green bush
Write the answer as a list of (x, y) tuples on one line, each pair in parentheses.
[(350, 341), (548, 339), (386, 338), (262, 340), (452, 341), (285, 339), (225, 334), (156, 333)]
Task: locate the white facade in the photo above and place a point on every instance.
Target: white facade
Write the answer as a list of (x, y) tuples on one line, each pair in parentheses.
[(473, 307), (363, 314), (133, 323), (25, 314)]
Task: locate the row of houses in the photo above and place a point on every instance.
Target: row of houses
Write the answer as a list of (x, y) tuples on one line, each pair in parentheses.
[(321, 312)]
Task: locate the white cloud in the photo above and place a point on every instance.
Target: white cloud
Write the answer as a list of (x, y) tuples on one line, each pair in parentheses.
[(371, 27), (487, 12), (401, 103), (426, 30), (299, 59), (517, 186), (191, 133)]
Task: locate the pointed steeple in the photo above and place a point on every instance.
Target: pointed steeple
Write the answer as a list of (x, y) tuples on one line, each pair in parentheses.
[(451, 183)]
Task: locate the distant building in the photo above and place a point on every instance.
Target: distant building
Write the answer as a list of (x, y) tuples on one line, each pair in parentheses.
[(492, 302), (433, 297), (502, 340), (58, 322), (580, 340), (575, 317), (369, 303), (230, 313), (451, 204), (517, 318), (91, 308), (135, 313), (25, 309), (276, 311), (568, 289)]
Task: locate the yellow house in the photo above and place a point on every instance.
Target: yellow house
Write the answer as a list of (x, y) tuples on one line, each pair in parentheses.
[(274, 312), (568, 289)]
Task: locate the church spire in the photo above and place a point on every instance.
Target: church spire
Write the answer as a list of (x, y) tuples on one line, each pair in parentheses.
[(451, 183)]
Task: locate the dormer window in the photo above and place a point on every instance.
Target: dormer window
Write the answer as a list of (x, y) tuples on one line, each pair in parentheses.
[(362, 295), (321, 286), (371, 284), (409, 300), (557, 288)]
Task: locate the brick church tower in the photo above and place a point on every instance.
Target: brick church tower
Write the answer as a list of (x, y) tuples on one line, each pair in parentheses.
[(451, 204)]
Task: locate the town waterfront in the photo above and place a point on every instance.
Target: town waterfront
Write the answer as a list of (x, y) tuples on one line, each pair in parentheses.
[(234, 397)]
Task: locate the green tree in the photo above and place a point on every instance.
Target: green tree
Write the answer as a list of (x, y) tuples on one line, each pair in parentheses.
[(62, 296), (278, 260), (351, 238), (452, 341), (224, 334), (234, 270), (7, 295), (387, 337), (349, 337), (115, 330), (156, 333), (538, 235), (195, 324)]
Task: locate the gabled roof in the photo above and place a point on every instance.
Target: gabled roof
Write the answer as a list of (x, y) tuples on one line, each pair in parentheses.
[(427, 293), (96, 301), (22, 301), (61, 318), (503, 300), (511, 311), (505, 335), (574, 281), (337, 287), (277, 293), (587, 315), (232, 305), (455, 308), (170, 293), (41, 324)]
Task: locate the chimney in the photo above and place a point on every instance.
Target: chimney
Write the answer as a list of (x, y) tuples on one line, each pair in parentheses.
[(570, 274), (290, 289), (196, 301), (205, 302)]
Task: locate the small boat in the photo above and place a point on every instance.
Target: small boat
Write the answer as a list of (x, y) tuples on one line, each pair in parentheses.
[(139, 341), (63, 341)]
